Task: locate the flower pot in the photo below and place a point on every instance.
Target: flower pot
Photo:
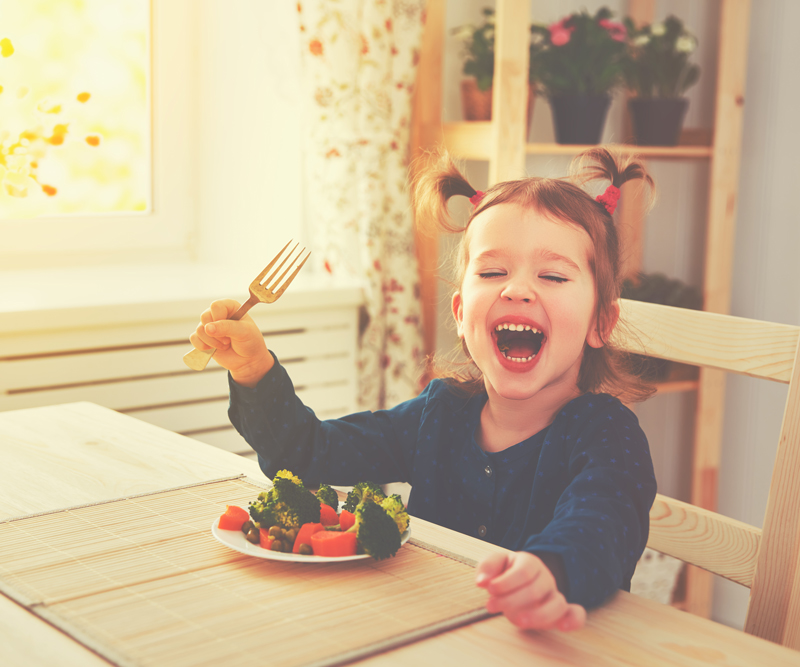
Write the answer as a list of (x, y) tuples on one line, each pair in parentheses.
[(579, 119), (658, 121), (477, 103)]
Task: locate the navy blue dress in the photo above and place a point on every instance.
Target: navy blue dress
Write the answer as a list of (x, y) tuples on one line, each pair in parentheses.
[(579, 490)]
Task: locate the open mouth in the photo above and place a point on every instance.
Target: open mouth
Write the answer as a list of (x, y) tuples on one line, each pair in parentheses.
[(518, 342)]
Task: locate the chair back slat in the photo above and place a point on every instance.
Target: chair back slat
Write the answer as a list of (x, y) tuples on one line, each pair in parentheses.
[(709, 540), (750, 347), (774, 609)]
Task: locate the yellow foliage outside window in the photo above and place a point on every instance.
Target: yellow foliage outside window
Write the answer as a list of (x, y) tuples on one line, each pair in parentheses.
[(74, 107)]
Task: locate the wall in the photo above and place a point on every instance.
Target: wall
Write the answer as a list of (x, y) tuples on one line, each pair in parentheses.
[(766, 275), (249, 187)]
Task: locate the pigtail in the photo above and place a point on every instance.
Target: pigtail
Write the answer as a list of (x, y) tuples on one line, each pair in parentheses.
[(436, 179), (601, 164)]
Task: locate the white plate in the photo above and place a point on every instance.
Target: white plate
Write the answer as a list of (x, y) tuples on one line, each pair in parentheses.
[(234, 539)]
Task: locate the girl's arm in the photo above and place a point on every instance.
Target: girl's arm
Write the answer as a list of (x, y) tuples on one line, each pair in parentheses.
[(286, 434), (601, 521)]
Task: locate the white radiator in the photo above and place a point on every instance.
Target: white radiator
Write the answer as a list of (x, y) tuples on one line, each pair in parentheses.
[(128, 358)]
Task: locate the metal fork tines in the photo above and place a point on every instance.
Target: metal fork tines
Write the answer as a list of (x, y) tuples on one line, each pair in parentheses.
[(262, 290), (270, 289)]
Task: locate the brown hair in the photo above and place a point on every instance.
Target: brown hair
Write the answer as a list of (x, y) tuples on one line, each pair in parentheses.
[(605, 368)]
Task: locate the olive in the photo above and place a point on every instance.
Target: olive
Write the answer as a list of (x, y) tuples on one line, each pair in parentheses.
[(253, 536), (276, 545), (305, 549), (275, 531), (291, 535), (246, 526)]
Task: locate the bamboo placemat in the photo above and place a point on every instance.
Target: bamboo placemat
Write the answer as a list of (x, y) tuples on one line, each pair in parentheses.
[(141, 581)]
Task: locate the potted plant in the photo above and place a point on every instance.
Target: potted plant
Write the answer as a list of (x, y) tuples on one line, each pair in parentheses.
[(658, 72), (478, 54), (658, 288), (576, 63)]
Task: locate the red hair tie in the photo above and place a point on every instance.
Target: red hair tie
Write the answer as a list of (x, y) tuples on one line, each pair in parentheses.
[(609, 198), (477, 198)]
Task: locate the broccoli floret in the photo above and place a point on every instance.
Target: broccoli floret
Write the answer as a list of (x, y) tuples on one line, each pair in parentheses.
[(327, 495), (393, 506), (376, 530), (363, 491), (285, 474), (287, 504)]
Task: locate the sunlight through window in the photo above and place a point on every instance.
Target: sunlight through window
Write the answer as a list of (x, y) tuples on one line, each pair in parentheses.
[(74, 108)]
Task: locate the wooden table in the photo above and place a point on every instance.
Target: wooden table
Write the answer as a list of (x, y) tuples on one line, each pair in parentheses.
[(66, 455)]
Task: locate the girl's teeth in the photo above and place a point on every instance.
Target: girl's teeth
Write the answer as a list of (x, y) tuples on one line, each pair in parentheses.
[(516, 327), (519, 360)]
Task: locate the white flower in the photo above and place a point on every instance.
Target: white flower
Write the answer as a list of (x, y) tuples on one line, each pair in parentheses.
[(685, 44), (464, 32), (641, 40), (658, 29), (537, 38)]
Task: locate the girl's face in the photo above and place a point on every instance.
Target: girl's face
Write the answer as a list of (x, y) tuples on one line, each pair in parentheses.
[(527, 302)]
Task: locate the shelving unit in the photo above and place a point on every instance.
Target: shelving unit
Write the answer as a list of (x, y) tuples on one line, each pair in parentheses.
[(501, 143)]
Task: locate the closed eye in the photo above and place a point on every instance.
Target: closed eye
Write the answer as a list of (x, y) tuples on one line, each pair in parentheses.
[(555, 279), (491, 274)]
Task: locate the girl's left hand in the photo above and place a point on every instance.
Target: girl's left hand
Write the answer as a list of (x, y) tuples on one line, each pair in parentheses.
[(522, 587)]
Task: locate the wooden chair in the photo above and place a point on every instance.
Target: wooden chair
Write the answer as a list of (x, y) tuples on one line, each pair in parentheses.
[(766, 560)]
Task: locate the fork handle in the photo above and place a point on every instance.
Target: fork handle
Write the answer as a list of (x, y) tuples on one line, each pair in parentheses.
[(197, 360)]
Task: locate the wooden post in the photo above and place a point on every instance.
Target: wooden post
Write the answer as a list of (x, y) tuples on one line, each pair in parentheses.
[(425, 133), (774, 609), (720, 228), (510, 91), (631, 217)]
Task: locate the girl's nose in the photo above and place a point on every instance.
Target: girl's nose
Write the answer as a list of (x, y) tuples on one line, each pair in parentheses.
[(518, 291)]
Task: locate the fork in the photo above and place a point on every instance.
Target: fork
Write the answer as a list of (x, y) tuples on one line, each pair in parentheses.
[(262, 290)]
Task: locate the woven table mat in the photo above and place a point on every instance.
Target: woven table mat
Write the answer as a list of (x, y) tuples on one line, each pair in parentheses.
[(141, 581)]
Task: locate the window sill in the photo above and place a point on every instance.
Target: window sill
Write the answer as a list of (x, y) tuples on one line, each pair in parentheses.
[(93, 296)]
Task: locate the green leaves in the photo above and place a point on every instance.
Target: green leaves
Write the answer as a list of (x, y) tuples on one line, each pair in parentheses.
[(657, 63), (581, 54), (478, 49), (592, 54)]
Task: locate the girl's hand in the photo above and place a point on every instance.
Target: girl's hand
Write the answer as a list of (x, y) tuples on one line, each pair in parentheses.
[(522, 587), (239, 344)]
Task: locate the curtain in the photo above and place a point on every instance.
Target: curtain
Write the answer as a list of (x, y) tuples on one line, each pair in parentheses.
[(359, 61)]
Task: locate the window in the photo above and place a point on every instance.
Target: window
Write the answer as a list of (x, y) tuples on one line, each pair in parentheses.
[(96, 118)]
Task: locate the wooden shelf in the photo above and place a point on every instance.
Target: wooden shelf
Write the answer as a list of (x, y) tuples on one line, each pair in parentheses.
[(665, 152), (472, 140)]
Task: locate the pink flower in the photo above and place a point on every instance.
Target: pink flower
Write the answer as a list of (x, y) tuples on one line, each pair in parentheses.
[(616, 31), (559, 33)]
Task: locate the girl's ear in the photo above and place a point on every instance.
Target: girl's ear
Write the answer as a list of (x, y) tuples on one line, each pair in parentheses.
[(598, 336), (458, 312)]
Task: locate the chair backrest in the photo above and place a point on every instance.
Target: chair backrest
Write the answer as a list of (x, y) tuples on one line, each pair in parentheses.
[(766, 560)]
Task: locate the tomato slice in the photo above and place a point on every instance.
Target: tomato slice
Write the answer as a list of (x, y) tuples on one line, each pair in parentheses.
[(304, 535), (265, 539), (234, 518), (334, 543), (346, 520), (328, 515)]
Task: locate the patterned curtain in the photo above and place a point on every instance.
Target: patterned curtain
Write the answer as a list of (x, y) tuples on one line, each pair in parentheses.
[(359, 64)]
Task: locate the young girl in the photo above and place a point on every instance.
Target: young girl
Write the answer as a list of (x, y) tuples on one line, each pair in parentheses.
[(534, 450)]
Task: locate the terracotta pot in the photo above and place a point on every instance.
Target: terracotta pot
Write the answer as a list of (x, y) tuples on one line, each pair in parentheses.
[(477, 103)]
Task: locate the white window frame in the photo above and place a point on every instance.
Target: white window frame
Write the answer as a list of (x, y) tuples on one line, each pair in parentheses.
[(168, 231)]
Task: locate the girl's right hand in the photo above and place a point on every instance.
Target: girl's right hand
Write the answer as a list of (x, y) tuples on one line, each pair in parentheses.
[(239, 345)]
